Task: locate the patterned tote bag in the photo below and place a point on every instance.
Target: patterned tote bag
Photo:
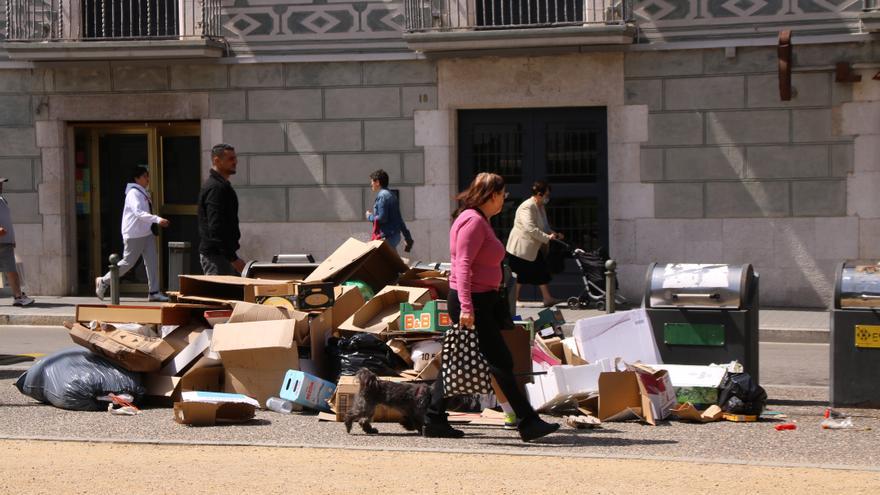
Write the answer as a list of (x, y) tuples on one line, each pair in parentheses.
[(465, 370)]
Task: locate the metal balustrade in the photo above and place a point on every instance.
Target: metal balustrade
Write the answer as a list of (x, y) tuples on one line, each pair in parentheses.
[(452, 15), (84, 20)]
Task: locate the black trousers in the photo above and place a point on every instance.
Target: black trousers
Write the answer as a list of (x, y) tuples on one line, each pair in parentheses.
[(493, 348)]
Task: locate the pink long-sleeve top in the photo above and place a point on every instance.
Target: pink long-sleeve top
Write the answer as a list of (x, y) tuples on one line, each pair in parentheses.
[(476, 256)]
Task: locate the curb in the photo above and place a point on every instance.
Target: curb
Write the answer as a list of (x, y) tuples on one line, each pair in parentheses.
[(784, 335)]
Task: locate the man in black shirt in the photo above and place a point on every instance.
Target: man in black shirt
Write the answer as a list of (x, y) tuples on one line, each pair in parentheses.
[(218, 216)]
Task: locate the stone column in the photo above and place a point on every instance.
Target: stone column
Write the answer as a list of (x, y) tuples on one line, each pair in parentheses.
[(55, 276), (434, 130)]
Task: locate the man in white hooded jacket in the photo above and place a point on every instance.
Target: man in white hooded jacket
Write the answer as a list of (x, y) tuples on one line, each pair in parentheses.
[(138, 235)]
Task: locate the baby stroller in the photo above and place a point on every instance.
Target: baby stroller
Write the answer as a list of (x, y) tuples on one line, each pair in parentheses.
[(592, 267)]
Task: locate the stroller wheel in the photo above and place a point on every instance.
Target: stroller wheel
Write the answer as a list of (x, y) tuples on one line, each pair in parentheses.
[(600, 305), (573, 303)]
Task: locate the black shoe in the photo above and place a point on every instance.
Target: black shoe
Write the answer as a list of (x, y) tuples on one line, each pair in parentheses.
[(441, 430), (535, 428)]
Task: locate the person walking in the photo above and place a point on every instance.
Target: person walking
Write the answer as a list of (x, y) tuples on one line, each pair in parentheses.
[(528, 243), (475, 303), (7, 252), (385, 216), (138, 235), (218, 216)]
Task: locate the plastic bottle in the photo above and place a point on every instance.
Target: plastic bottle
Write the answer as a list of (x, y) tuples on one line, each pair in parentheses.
[(279, 405)]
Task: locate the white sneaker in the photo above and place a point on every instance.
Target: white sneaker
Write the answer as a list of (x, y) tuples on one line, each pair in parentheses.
[(100, 288), (23, 300), (157, 297)]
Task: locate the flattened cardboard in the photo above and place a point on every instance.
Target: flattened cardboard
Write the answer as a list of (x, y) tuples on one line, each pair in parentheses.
[(687, 412), (256, 355), (222, 288), (129, 350), (519, 343), (190, 343), (244, 312), (381, 314), (625, 334), (166, 314), (206, 414), (198, 377), (374, 262)]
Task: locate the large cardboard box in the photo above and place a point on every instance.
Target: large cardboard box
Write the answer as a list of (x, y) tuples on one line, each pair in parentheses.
[(129, 350), (381, 314), (256, 355), (627, 395), (432, 279), (348, 300), (698, 385), (190, 343), (348, 387), (304, 296), (376, 263), (166, 314), (222, 289), (625, 334), (433, 316)]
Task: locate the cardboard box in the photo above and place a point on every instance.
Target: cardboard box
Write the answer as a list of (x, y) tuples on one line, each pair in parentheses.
[(429, 317), (429, 279), (222, 289), (626, 334), (304, 296), (307, 390), (200, 408), (256, 355), (381, 314), (376, 263), (519, 343), (129, 350), (348, 387), (627, 395), (166, 314), (199, 377), (347, 300), (565, 384), (698, 385)]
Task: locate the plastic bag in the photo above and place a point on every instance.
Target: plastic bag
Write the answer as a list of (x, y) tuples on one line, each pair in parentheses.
[(740, 394), (74, 378), (364, 350)]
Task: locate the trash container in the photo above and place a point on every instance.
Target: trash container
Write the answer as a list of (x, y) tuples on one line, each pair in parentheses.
[(178, 263), (282, 267), (855, 335), (704, 313)]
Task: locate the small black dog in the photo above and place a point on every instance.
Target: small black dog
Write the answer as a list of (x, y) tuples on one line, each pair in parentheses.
[(411, 400)]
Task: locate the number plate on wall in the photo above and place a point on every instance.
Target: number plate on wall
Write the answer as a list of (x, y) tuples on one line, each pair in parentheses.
[(868, 336)]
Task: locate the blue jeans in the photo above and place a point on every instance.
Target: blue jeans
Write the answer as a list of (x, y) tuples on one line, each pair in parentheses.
[(394, 240)]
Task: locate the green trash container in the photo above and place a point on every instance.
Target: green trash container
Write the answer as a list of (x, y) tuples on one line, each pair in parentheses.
[(704, 313)]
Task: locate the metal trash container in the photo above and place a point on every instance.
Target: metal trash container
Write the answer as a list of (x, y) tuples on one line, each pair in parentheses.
[(178, 262), (282, 267), (704, 313), (855, 335)]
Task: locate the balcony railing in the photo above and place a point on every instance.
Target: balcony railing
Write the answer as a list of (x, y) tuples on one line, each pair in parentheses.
[(112, 20), (457, 15)]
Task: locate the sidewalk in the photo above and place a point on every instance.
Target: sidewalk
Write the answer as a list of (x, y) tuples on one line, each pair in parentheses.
[(777, 325)]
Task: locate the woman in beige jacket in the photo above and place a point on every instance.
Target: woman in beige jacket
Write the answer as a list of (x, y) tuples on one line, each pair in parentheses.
[(528, 243)]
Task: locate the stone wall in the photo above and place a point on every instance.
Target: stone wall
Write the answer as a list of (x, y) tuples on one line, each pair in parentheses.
[(740, 176)]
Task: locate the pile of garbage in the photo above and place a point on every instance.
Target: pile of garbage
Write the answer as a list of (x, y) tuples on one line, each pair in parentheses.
[(230, 345)]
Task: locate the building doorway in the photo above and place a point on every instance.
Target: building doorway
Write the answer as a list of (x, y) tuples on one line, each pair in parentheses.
[(567, 148), (104, 157)]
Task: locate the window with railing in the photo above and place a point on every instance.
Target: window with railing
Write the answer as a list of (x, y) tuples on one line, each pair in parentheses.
[(31, 20), (438, 15)]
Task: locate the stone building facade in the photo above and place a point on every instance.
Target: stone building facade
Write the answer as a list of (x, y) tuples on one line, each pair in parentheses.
[(705, 162)]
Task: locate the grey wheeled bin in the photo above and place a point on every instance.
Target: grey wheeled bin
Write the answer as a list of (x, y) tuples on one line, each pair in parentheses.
[(855, 335), (704, 313), (178, 263), (282, 267)]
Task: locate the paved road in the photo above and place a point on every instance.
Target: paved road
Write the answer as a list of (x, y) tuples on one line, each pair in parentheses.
[(781, 363)]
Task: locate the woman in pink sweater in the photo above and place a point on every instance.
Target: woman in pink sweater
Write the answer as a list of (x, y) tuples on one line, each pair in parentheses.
[(475, 303)]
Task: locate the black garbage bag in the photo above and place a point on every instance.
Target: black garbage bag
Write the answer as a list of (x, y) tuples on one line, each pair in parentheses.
[(741, 394), (363, 350), (72, 378)]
